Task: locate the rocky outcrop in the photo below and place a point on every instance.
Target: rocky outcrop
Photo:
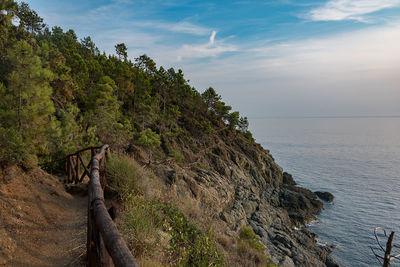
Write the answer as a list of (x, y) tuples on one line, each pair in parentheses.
[(242, 185), (325, 196)]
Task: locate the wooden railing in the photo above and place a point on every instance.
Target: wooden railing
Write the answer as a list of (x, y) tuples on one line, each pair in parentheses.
[(105, 245)]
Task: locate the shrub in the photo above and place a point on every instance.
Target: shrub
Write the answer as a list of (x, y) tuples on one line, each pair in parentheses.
[(188, 245), (30, 161), (249, 136), (176, 155), (123, 174), (141, 225), (247, 235), (148, 138), (250, 247)]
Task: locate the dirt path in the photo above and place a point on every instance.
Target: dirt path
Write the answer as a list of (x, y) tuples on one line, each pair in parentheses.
[(40, 223)]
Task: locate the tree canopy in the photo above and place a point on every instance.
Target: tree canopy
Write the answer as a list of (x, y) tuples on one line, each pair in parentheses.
[(58, 93)]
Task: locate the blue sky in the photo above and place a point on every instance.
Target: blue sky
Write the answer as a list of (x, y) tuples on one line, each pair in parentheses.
[(266, 58)]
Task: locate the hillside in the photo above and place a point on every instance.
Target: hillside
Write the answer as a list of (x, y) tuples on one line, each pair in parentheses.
[(192, 167)]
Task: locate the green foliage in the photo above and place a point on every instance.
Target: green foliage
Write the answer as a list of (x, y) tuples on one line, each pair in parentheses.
[(29, 18), (30, 162), (142, 223), (8, 9), (176, 155), (123, 174), (25, 104), (210, 97), (247, 235), (214, 104), (148, 138), (121, 49), (72, 134), (233, 120), (12, 147), (249, 136), (104, 111), (188, 245), (250, 247)]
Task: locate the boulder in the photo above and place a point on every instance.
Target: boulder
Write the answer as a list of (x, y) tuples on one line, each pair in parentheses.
[(324, 196)]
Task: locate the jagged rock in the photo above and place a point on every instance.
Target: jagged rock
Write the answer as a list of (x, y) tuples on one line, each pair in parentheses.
[(325, 196), (240, 184), (288, 179), (330, 262), (287, 262)]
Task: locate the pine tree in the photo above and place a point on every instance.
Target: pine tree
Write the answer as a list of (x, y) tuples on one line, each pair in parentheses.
[(25, 104)]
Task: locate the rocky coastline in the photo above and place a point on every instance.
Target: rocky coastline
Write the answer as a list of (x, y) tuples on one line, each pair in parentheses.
[(240, 184)]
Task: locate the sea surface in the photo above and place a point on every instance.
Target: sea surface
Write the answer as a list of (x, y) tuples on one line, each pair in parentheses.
[(358, 161)]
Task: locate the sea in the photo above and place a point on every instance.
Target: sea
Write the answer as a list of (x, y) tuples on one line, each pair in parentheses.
[(358, 161)]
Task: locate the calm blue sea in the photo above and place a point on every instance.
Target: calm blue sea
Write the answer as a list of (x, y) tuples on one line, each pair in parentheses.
[(356, 159)]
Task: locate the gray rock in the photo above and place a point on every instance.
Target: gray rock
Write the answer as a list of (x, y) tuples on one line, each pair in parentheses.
[(287, 262), (325, 196)]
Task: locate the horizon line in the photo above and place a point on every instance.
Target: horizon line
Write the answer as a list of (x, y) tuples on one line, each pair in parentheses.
[(326, 117)]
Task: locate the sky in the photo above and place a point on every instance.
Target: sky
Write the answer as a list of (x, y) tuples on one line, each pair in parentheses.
[(280, 58)]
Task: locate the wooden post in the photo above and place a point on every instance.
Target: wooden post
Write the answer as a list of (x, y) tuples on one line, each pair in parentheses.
[(78, 164), (386, 260), (93, 236), (69, 170)]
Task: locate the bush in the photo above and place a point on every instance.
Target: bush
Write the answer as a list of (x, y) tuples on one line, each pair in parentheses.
[(247, 235), (250, 247), (123, 174), (141, 225), (148, 138), (188, 245), (249, 136), (30, 162), (176, 155)]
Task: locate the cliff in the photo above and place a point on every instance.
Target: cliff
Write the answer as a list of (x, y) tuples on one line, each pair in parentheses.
[(233, 182)]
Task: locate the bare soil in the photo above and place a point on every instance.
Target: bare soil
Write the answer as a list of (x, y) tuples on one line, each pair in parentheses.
[(40, 223)]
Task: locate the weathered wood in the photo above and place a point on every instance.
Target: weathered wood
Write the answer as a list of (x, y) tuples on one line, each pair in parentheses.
[(69, 170), (78, 169), (99, 220), (386, 259), (83, 150), (85, 170), (72, 169)]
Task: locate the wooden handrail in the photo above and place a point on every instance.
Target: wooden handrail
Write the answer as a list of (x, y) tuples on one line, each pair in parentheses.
[(83, 150), (105, 245)]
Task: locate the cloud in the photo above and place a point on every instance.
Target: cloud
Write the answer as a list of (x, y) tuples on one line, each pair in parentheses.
[(212, 37), (179, 27), (211, 49), (354, 73), (335, 10)]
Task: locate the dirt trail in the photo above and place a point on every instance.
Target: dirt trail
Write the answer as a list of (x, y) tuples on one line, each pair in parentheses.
[(40, 223)]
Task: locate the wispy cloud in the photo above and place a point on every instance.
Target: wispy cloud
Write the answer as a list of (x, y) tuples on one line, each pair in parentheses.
[(211, 49), (179, 27), (212, 37), (335, 10)]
